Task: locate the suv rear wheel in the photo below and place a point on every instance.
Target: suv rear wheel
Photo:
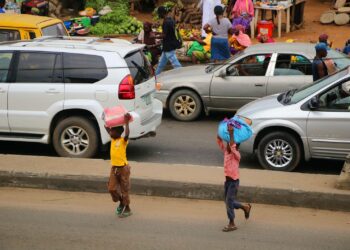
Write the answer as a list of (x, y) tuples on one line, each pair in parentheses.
[(185, 105), (75, 137), (279, 151)]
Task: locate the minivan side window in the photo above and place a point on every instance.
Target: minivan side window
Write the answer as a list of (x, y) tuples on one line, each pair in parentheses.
[(5, 61), (79, 68), (34, 67), (9, 35), (336, 99)]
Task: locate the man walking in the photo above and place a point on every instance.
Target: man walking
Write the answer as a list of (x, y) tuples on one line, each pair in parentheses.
[(170, 42), (319, 68)]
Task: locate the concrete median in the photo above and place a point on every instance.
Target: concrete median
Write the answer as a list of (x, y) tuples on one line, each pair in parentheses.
[(182, 181)]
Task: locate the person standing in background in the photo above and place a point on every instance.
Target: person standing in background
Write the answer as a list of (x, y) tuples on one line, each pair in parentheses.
[(319, 68), (242, 13), (346, 49), (221, 27), (323, 38), (2, 6), (207, 7)]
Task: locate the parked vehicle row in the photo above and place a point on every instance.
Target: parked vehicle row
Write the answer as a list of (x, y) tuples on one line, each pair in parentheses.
[(54, 90), (258, 71)]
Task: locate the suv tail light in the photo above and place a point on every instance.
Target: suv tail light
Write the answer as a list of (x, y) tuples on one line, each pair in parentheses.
[(126, 88)]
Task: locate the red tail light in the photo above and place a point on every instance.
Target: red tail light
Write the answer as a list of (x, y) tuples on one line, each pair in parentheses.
[(126, 88)]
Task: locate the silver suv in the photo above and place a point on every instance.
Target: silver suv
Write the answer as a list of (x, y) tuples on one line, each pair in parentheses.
[(54, 90), (312, 122)]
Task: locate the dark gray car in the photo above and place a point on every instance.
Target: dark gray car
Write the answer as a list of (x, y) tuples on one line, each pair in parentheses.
[(259, 70)]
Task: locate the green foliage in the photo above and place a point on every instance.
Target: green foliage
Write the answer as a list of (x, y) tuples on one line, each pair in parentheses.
[(96, 4)]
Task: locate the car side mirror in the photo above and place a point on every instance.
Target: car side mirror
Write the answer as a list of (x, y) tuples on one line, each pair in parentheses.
[(314, 103), (222, 74), (232, 71)]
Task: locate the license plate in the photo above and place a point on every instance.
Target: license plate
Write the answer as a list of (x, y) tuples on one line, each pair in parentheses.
[(147, 99)]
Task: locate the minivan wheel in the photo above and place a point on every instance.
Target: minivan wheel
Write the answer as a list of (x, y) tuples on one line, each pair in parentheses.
[(75, 137), (185, 105), (279, 151)]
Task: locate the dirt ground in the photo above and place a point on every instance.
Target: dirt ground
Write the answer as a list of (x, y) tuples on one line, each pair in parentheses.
[(310, 31)]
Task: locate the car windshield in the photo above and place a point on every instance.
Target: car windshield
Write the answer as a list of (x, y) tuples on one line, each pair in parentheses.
[(214, 66), (294, 96), (339, 58)]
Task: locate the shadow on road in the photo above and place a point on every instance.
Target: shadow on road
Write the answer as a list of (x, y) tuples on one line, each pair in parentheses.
[(177, 142)]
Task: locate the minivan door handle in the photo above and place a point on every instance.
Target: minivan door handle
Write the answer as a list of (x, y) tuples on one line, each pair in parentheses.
[(52, 91), (259, 84), (2, 90)]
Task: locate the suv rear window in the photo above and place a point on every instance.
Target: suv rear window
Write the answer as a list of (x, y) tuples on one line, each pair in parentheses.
[(139, 67), (54, 30), (80, 68), (9, 35)]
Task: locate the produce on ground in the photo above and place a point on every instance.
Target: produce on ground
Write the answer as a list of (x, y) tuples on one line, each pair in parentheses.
[(118, 21)]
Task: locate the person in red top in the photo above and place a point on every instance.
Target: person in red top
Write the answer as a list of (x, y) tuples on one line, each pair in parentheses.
[(232, 158)]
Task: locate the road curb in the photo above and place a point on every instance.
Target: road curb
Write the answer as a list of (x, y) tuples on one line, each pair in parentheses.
[(286, 197)]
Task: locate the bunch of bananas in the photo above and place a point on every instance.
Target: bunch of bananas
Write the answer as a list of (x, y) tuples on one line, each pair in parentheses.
[(189, 33)]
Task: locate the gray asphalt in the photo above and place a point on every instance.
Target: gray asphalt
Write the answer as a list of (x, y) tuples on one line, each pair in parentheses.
[(179, 143), (37, 219)]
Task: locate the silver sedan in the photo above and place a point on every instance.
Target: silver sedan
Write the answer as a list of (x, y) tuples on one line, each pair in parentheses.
[(259, 70)]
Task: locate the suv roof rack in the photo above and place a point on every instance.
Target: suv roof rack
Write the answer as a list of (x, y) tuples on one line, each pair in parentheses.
[(44, 38)]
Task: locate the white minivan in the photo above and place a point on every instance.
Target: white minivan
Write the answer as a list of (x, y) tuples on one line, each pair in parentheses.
[(54, 90)]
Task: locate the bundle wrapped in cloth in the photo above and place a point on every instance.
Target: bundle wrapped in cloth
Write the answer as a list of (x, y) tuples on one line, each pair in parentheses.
[(241, 130), (114, 116)]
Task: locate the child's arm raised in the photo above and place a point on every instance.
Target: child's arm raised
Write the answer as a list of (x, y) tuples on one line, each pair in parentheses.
[(127, 118), (230, 131), (108, 130), (220, 143)]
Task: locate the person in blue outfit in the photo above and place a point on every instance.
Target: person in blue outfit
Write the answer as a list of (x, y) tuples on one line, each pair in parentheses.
[(319, 68), (346, 49), (2, 6), (170, 42), (221, 28)]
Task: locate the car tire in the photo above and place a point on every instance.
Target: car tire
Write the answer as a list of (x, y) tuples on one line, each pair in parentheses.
[(185, 105), (75, 137), (279, 151)]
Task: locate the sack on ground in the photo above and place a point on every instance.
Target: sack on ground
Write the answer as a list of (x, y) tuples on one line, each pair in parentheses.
[(241, 130)]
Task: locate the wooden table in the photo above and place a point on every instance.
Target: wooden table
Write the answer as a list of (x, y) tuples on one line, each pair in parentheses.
[(280, 9)]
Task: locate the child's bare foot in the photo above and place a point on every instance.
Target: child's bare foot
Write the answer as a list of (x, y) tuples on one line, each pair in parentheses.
[(229, 228)]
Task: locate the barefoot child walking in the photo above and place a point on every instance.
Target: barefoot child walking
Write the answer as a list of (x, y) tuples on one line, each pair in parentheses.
[(119, 179), (231, 169)]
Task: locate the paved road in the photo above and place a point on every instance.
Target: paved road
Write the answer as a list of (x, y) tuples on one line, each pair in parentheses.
[(179, 142), (37, 219)]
